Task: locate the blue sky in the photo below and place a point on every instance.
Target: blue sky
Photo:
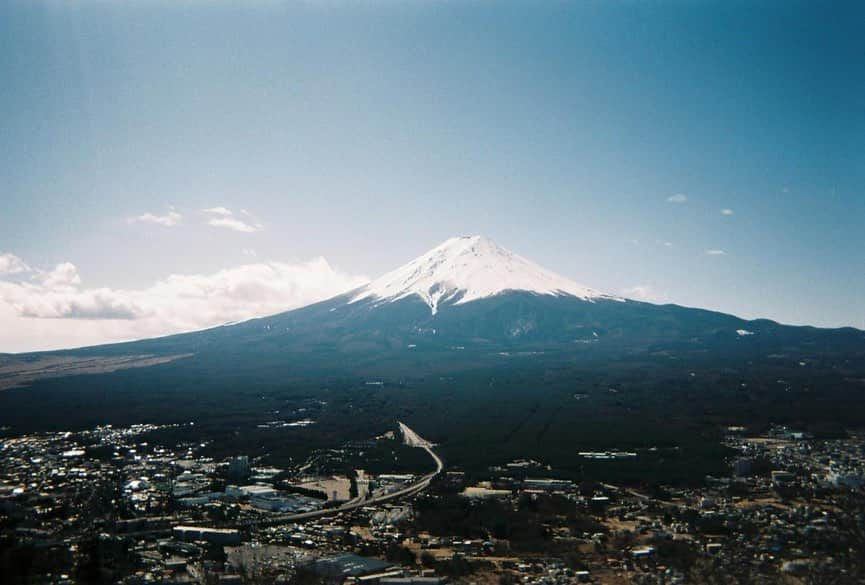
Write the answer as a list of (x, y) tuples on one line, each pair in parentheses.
[(367, 132)]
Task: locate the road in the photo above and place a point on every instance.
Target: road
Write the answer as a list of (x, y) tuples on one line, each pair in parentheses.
[(410, 438)]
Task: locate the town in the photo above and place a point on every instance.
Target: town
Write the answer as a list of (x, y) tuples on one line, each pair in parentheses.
[(111, 505)]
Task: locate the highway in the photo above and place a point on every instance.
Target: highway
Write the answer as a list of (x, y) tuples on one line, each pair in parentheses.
[(411, 439)]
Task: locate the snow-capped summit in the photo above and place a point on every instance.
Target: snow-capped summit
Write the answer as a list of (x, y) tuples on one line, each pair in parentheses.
[(466, 269)]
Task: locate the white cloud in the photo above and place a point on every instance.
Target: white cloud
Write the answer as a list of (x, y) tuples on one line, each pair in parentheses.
[(727, 211), (64, 275), (53, 309), (12, 264), (75, 304), (668, 244), (644, 292), (218, 211), (169, 219), (716, 252), (222, 217), (233, 223), (677, 198)]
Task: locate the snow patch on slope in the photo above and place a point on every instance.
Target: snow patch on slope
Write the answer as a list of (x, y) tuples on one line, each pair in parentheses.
[(469, 268)]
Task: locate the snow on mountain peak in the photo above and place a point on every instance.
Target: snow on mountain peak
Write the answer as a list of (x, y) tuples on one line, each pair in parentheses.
[(469, 268)]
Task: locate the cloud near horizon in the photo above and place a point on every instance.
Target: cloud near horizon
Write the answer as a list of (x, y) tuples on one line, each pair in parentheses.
[(51, 309), (644, 292), (169, 219), (12, 264), (677, 198), (222, 217)]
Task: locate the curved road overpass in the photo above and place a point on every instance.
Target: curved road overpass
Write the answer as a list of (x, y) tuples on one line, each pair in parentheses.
[(410, 438)]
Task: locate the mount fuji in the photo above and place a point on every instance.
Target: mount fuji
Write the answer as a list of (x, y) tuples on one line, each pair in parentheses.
[(471, 293), (466, 269), (465, 325)]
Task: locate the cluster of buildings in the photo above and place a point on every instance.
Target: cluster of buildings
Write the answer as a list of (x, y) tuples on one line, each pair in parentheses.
[(112, 502), (791, 509)]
